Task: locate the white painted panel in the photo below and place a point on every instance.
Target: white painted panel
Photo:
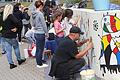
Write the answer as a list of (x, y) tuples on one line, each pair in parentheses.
[(92, 23)]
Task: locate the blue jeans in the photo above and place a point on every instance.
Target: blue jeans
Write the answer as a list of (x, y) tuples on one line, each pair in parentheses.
[(0, 37), (51, 45), (58, 39), (3, 45), (40, 42), (9, 43)]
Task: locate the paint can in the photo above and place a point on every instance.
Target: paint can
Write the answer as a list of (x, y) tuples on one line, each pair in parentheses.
[(88, 74), (100, 5)]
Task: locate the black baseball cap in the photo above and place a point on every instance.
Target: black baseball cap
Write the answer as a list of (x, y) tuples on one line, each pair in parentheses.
[(76, 30)]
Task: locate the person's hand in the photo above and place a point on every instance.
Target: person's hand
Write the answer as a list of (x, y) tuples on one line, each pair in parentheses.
[(90, 45), (78, 17), (86, 40), (47, 35), (64, 28), (14, 29), (89, 40)]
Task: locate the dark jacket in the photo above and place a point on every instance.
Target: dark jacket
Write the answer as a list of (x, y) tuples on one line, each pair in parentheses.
[(47, 11), (1, 22), (64, 53), (26, 16), (50, 3), (10, 23), (18, 14)]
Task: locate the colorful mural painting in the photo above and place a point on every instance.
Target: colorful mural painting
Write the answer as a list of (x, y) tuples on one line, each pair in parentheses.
[(110, 44), (95, 25), (104, 28)]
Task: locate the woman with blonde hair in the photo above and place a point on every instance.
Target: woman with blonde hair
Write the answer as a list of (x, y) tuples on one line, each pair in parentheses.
[(9, 34)]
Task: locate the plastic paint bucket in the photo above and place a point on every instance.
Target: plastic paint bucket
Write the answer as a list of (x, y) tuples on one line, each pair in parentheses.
[(88, 74)]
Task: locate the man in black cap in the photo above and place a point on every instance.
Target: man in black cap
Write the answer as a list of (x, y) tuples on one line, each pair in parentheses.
[(67, 59)]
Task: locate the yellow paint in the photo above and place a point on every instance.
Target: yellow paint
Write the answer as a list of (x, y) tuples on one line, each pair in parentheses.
[(117, 23), (105, 41), (117, 44)]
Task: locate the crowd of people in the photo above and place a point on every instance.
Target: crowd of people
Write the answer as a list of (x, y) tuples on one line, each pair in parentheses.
[(36, 26)]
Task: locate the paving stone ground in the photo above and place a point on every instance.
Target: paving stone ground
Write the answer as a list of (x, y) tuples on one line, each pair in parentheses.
[(26, 71)]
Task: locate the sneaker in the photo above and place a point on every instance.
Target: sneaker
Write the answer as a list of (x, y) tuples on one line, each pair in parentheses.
[(12, 66), (42, 66), (21, 61), (19, 43), (3, 52)]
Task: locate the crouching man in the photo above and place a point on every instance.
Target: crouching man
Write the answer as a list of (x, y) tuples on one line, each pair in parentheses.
[(67, 59)]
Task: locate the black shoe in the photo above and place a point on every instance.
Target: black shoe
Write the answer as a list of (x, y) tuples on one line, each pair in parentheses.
[(3, 53), (43, 61), (21, 61), (12, 66)]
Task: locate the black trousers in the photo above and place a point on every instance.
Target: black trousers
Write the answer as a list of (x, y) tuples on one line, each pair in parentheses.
[(67, 70)]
